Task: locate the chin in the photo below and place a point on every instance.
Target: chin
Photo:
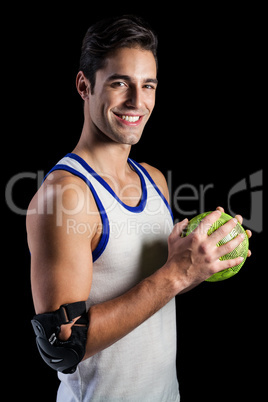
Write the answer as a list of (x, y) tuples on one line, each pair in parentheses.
[(127, 138), (132, 140)]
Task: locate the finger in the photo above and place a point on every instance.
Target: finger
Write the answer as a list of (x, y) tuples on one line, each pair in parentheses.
[(230, 246), (223, 231), (224, 264), (239, 218), (207, 222), (178, 228), (249, 233), (220, 209)]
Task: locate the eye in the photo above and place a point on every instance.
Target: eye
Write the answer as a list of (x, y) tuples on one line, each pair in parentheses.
[(118, 84), (148, 86)]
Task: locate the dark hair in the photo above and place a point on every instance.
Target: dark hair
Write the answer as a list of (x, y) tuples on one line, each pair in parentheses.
[(110, 34)]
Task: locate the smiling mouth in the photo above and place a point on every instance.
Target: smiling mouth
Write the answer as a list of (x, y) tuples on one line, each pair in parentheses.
[(128, 118)]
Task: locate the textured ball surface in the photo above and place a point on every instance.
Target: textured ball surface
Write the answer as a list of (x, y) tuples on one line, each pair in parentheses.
[(240, 250)]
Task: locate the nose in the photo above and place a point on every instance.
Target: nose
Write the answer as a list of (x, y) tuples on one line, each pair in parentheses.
[(134, 98)]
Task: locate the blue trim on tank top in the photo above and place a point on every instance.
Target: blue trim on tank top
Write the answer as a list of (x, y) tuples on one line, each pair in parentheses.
[(105, 221), (154, 185), (134, 164), (139, 208)]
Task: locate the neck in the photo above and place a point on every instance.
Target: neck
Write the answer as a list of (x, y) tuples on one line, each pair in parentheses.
[(101, 153)]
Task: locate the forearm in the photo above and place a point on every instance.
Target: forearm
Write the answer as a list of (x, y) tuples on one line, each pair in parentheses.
[(112, 320)]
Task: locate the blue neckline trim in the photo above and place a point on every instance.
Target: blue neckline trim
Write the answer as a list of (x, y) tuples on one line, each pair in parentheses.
[(140, 207), (105, 221), (156, 188)]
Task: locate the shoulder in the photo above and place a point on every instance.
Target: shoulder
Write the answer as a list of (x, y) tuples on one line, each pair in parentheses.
[(60, 198), (158, 178), (62, 190)]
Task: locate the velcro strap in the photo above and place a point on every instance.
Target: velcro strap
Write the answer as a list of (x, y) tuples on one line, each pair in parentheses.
[(67, 312), (52, 321)]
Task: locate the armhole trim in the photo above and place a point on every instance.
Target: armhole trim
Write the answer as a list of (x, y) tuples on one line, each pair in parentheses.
[(105, 222)]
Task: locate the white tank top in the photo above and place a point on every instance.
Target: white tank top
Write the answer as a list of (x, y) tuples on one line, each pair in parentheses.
[(141, 367)]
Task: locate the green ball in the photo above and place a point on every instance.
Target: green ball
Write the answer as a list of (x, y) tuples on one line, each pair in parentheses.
[(241, 250)]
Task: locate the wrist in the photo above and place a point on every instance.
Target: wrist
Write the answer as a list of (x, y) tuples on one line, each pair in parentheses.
[(176, 282), (165, 283)]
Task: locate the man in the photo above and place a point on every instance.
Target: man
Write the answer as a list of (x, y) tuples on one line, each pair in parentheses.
[(100, 230)]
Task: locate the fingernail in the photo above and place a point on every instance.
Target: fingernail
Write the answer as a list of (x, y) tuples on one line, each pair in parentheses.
[(235, 220)]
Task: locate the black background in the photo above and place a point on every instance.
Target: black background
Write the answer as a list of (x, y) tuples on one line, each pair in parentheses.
[(206, 129)]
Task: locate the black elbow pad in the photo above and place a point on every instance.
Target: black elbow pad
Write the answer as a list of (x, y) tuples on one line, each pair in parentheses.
[(62, 356)]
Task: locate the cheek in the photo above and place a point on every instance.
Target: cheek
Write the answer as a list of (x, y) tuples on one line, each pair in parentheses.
[(152, 104), (101, 104), (95, 109), (99, 112), (149, 100)]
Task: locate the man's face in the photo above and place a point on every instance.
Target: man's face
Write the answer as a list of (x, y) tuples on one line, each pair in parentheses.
[(124, 95)]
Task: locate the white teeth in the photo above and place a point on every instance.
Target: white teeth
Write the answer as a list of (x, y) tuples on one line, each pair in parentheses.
[(130, 118)]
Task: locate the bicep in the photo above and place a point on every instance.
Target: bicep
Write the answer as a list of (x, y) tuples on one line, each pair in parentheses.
[(59, 276), (61, 260)]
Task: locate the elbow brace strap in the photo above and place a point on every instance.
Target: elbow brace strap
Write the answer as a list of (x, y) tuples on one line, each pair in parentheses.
[(62, 356)]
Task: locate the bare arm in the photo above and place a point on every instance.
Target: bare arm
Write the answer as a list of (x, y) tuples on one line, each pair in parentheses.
[(62, 264)]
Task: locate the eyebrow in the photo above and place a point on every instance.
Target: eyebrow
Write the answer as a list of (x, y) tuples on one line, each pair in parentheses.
[(128, 78)]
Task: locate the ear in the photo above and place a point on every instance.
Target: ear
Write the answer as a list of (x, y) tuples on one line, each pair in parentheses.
[(82, 85)]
